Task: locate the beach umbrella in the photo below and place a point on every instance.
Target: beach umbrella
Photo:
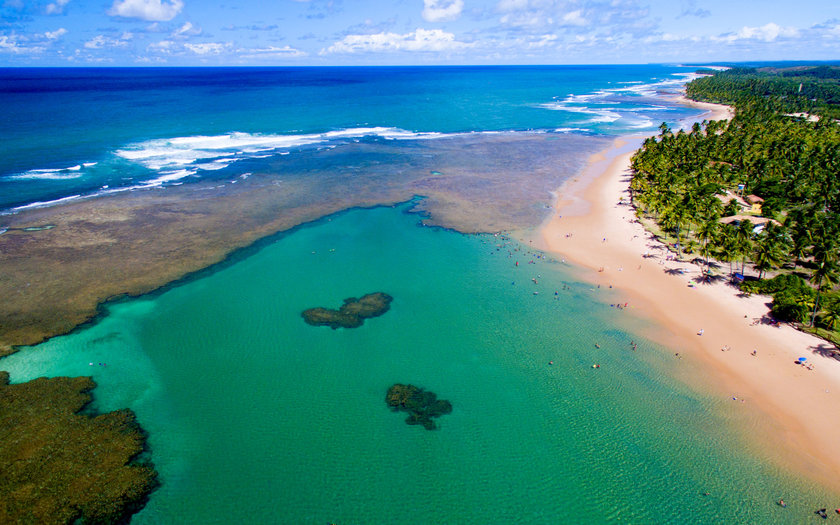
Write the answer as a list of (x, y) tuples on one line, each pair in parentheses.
[(803, 359)]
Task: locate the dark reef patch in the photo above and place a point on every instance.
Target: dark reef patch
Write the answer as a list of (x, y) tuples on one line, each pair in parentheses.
[(352, 314), (60, 466), (420, 404)]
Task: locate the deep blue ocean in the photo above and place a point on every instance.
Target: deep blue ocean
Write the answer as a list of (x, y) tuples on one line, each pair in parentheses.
[(78, 132)]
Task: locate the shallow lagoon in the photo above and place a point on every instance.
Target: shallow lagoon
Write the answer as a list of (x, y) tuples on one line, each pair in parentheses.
[(255, 416)]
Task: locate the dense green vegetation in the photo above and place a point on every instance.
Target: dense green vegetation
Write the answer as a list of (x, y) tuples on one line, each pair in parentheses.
[(814, 90), (688, 181)]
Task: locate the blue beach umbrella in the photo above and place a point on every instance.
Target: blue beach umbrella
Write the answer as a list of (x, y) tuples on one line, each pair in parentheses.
[(803, 359)]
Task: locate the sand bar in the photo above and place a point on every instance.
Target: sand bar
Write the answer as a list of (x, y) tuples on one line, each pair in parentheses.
[(791, 413)]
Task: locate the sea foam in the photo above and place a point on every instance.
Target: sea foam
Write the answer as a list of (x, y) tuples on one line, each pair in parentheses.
[(179, 157), (619, 105)]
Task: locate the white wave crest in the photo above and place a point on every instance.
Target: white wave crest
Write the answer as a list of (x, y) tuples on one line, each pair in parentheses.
[(73, 172), (214, 152), (601, 114), (46, 203), (613, 105)]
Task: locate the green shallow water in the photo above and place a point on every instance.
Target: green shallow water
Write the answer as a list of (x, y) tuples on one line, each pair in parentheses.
[(255, 417)]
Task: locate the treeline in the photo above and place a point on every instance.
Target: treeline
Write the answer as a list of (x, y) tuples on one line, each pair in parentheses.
[(812, 90), (688, 180)]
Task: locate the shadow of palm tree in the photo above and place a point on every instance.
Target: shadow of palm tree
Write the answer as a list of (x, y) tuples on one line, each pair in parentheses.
[(826, 350), (711, 279)]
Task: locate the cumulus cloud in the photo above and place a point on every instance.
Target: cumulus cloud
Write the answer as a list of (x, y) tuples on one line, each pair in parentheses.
[(9, 44), (162, 46), (767, 33), (208, 48), (271, 52), (58, 33), (30, 44), (418, 40), (575, 18), (151, 10), (542, 42), (442, 10), (188, 29), (57, 7), (96, 42), (101, 41), (828, 29)]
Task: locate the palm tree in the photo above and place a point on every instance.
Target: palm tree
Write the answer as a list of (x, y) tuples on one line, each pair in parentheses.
[(826, 271), (743, 241), (707, 231), (768, 252), (725, 245), (831, 315)]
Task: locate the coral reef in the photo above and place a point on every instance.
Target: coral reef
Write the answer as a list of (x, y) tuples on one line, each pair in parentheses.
[(352, 314), (59, 466), (420, 404)]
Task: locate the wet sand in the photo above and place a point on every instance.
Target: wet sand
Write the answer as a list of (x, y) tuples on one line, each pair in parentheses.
[(791, 415)]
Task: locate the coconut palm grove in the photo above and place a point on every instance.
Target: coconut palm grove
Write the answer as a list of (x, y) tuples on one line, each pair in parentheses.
[(758, 192)]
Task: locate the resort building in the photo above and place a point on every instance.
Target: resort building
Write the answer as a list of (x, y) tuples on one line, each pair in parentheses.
[(755, 203)]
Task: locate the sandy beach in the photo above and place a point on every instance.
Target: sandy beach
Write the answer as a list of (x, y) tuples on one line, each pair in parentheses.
[(791, 414)]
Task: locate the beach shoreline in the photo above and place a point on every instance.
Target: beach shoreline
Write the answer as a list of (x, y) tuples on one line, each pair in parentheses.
[(791, 410)]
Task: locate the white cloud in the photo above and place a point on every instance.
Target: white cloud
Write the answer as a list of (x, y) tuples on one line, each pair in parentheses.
[(442, 10), (526, 19), (271, 52), (419, 40), (575, 18), (30, 44), (543, 42), (163, 46), (768, 33), (100, 41), (187, 30), (96, 42), (151, 10), (10, 44), (208, 48), (57, 7), (58, 33)]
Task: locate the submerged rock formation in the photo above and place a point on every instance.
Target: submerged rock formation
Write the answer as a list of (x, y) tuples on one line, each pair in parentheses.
[(59, 466), (352, 314), (420, 404)]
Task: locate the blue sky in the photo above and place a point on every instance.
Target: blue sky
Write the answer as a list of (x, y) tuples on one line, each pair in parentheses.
[(383, 32)]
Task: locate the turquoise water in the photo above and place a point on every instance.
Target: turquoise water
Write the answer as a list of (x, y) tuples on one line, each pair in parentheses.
[(256, 417)]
